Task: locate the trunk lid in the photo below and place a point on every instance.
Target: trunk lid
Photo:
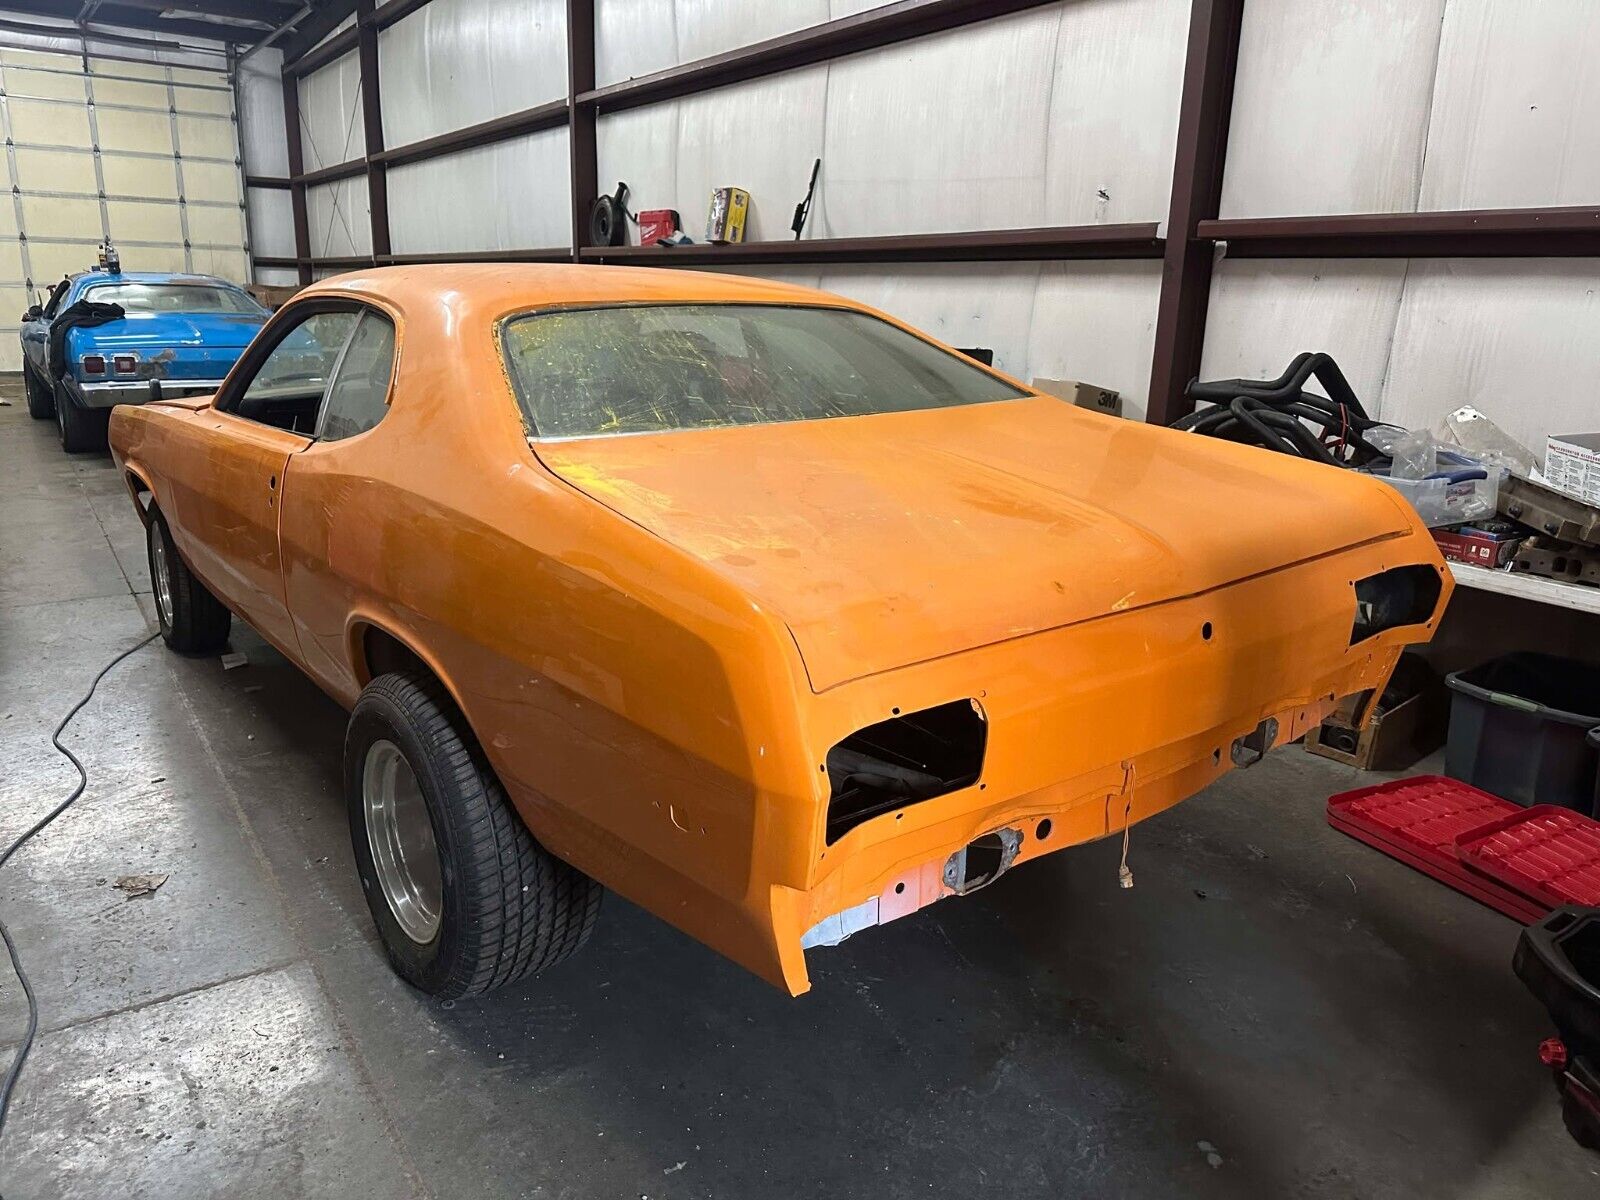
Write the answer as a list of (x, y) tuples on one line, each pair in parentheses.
[(892, 539), (220, 330)]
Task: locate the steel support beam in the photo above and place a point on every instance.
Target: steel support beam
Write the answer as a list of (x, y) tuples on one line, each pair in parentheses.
[(1467, 233), (372, 128), (1207, 104), (297, 166), (498, 129), (581, 119)]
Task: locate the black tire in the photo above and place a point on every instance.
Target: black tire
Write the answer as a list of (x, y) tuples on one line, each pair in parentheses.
[(509, 907), (83, 430), (41, 401), (1582, 1126), (193, 621)]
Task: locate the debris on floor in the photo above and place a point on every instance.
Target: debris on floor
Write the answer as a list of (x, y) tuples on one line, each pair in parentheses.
[(234, 659), (140, 885)]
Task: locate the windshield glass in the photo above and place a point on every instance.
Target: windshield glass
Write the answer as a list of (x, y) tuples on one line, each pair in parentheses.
[(648, 368), (174, 297)]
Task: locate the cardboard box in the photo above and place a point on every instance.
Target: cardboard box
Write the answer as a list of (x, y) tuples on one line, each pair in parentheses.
[(1394, 740), (657, 223), (1572, 464), (725, 221), (1479, 547), (270, 295), (1084, 395)]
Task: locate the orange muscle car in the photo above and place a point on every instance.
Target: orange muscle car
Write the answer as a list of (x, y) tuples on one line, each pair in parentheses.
[(744, 600)]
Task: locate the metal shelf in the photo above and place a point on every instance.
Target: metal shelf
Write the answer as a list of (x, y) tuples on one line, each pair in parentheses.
[(1134, 240), (1575, 596), (1471, 233)]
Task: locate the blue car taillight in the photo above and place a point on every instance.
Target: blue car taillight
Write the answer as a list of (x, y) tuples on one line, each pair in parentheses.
[(125, 364), (94, 364)]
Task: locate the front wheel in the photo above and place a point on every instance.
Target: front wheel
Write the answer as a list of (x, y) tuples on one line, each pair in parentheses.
[(464, 898), (193, 621), (41, 403)]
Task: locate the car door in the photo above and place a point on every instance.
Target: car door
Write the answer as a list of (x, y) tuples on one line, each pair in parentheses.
[(336, 511), (36, 332), (227, 494)]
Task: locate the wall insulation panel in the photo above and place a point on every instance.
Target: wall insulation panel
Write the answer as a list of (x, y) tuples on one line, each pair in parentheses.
[(271, 223), (1265, 312), (967, 153), (435, 205), (339, 218), (1091, 321), (455, 63), (261, 130), (1516, 106), (1515, 338), (331, 131), (1330, 107), (975, 150), (1417, 339), (1096, 322), (637, 37), (1116, 82)]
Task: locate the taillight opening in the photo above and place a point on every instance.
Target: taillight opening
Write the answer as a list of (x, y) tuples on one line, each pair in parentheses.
[(1401, 596), (94, 364), (902, 761), (124, 364)]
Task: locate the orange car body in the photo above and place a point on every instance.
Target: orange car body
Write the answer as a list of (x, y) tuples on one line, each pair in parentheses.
[(656, 638)]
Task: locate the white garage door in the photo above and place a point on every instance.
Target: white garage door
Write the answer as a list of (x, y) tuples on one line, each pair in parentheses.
[(144, 154)]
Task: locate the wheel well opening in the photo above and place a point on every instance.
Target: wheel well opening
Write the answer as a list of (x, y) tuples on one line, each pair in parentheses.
[(142, 499), (384, 654)]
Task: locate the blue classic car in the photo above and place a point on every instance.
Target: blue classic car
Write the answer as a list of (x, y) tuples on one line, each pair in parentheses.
[(106, 337)]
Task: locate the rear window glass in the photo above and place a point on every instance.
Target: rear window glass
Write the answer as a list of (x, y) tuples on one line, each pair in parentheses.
[(649, 368), (173, 297)]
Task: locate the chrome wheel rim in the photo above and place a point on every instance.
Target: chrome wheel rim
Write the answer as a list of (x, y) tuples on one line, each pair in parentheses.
[(161, 574), (400, 835)]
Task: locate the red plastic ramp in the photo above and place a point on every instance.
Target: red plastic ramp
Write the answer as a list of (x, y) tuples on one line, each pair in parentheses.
[(1418, 822), (1547, 853)]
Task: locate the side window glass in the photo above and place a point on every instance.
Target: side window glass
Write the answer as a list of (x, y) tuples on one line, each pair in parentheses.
[(359, 395), (287, 390)]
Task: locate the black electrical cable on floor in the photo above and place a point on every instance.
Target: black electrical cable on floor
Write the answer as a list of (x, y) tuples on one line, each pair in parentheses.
[(11, 947)]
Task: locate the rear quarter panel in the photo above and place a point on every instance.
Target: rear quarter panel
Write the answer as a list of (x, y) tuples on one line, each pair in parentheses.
[(638, 709)]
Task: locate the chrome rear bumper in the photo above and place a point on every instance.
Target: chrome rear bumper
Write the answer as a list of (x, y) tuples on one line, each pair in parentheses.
[(109, 392)]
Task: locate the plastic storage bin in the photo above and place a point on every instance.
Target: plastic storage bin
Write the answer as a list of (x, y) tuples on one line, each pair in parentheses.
[(1519, 727), (1449, 499)]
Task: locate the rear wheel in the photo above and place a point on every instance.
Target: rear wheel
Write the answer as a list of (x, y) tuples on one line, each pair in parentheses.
[(41, 403), (464, 897), (82, 429), (193, 621)]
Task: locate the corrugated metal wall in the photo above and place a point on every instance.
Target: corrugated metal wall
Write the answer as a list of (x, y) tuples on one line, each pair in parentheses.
[(1064, 114)]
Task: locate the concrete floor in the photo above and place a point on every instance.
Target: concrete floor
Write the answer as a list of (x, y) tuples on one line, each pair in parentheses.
[(1274, 1010)]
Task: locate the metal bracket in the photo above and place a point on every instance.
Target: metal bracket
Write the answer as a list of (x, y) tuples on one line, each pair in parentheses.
[(1250, 749)]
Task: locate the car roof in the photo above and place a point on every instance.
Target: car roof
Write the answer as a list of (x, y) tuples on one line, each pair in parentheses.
[(88, 277), (508, 287)]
